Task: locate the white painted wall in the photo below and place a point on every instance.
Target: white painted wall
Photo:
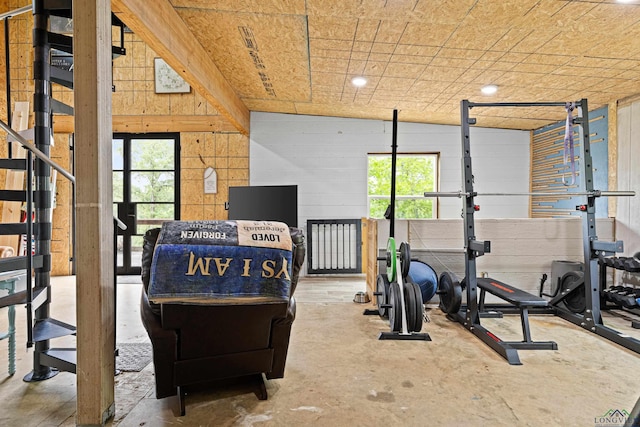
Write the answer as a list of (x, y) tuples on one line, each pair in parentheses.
[(327, 158), (628, 209)]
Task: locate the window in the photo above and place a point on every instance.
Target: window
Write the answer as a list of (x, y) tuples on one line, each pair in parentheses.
[(415, 174), (146, 189)]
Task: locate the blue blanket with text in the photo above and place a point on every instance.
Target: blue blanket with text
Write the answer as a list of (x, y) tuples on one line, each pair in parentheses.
[(221, 262)]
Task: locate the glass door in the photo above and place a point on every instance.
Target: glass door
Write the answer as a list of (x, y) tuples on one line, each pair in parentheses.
[(146, 190)]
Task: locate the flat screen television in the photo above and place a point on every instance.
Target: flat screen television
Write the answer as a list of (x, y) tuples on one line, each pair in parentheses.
[(265, 203)]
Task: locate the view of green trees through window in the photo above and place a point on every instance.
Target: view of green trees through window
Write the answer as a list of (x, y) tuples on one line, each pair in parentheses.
[(145, 190), (152, 177), (415, 174), (153, 186)]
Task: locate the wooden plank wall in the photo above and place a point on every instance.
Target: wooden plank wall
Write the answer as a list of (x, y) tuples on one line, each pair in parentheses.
[(370, 253), (14, 179), (521, 249), (548, 168), (628, 171), (22, 91), (61, 252), (207, 139), (188, 59)]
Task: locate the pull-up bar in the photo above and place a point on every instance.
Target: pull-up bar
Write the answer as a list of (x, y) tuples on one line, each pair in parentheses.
[(594, 193), (516, 104)]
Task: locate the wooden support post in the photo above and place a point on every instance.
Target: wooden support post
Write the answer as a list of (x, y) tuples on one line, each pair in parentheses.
[(95, 275), (612, 166)]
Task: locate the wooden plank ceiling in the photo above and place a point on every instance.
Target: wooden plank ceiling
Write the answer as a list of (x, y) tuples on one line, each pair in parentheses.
[(421, 57)]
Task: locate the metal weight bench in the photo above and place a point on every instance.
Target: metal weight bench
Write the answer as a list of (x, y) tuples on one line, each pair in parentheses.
[(521, 300)]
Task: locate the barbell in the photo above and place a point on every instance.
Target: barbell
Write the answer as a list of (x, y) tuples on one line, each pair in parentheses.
[(594, 193)]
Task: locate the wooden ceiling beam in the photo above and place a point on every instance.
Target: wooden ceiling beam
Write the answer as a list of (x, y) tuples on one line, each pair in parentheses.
[(160, 26), (152, 123)]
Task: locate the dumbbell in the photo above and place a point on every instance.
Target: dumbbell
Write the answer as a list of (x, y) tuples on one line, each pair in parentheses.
[(618, 262), (611, 294), (630, 298), (627, 296), (632, 265)]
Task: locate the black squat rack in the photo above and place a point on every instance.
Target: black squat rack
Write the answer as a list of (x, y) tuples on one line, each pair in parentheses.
[(518, 301)]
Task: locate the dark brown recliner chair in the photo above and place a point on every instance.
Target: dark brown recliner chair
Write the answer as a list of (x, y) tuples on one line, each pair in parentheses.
[(199, 345)]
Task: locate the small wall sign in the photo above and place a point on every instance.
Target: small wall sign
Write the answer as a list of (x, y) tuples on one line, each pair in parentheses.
[(210, 181)]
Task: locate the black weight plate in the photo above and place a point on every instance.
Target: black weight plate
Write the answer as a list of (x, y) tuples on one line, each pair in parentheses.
[(575, 301), (450, 293), (417, 326), (405, 259), (410, 305), (395, 311), (382, 297)]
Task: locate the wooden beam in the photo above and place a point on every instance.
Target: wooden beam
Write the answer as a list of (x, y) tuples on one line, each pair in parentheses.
[(145, 124), (95, 308), (164, 31), (613, 156)]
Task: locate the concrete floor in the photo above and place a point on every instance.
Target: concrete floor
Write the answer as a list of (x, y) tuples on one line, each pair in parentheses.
[(339, 373)]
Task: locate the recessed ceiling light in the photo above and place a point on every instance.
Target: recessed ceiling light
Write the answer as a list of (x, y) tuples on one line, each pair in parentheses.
[(625, 1), (358, 81), (489, 89)]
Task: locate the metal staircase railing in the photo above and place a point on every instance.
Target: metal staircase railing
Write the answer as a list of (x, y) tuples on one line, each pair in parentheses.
[(38, 193), (7, 163)]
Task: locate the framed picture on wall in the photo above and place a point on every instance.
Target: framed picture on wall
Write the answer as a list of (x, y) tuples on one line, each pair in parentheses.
[(167, 80)]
